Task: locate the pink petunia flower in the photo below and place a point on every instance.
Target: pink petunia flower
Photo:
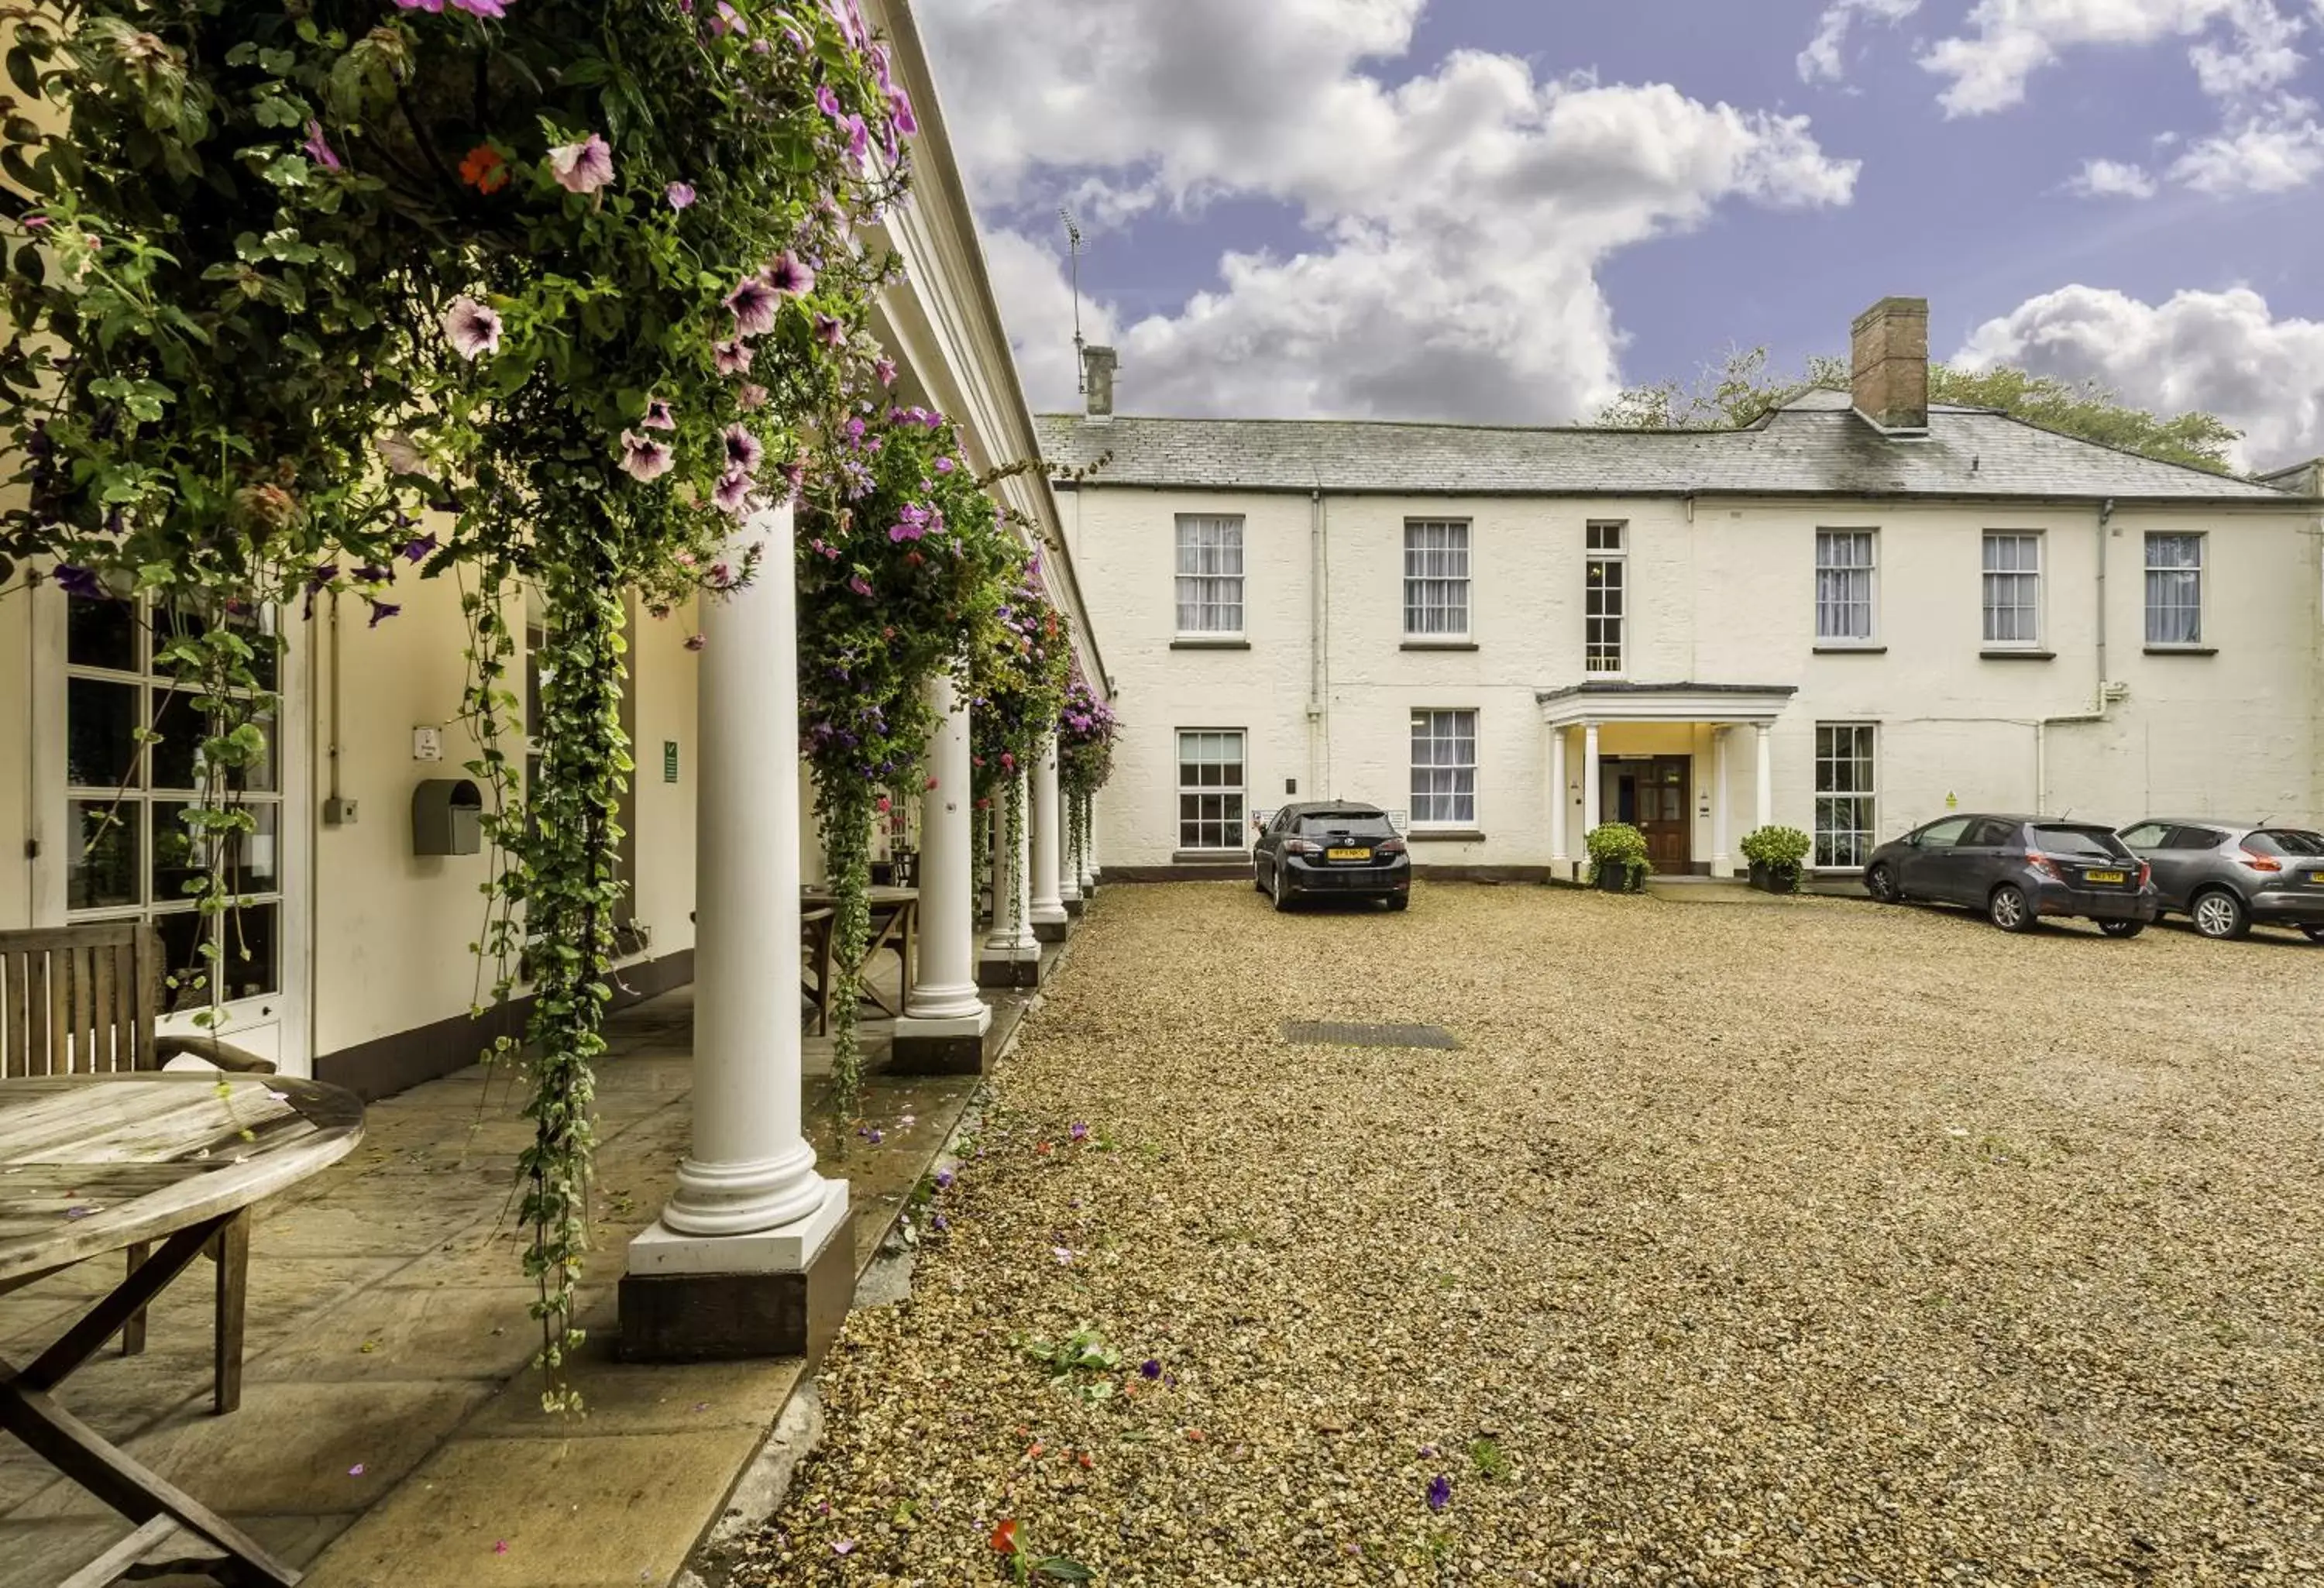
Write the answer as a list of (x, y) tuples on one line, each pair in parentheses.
[(901, 119), (831, 331), (680, 194), (734, 493), (728, 20), (473, 328), (743, 449), (584, 167), (884, 370), (733, 357), (753, 303), (643, 458), (790, 275), (658, 415), (750, 397)]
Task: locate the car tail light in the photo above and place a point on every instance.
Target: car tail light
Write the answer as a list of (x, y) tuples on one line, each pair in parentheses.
[(1389, 846), (2259, 863), (1301, 846), (2145, 874), (2045, 865)]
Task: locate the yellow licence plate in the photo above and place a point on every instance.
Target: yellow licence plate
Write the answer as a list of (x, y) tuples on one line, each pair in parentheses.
[(2103, 877), (1347, 854)]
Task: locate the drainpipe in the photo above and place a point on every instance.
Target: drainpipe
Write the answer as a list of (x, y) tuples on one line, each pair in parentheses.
[(2107, 692), (1318, 752)]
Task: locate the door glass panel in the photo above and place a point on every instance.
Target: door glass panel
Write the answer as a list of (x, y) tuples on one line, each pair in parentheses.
[(101, 733), (250, 934), (101, 872), (177, 860), (186, 974), (178, 750), (1669, 804), (101, 634)]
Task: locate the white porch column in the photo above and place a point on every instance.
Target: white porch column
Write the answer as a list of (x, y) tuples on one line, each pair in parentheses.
[(944, 1022), (1558, 859), (749, 1205), (1011, 956), (1048, 906), (1721, 863), (1069, 864), (1089, 852), (1588, 779), (1767, 802)]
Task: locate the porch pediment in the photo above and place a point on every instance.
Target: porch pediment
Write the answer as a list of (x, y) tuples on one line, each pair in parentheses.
[(1612, 701)]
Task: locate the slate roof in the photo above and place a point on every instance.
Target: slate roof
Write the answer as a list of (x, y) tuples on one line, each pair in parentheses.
[(1814, 446)]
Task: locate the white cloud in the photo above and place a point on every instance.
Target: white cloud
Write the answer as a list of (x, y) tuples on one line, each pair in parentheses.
[(1823, 59), (2014, 39), (2221, 352), (2112, 179), (1454, 223), (2272, 151)]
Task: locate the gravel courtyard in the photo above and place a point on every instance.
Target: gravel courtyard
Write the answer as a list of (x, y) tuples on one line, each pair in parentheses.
[(1796, 1241)]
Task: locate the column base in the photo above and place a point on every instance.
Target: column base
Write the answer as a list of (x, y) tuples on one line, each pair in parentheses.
[(1009, 968), (1055, 931), (735, 1297), (953, 1046), (1073, 907)]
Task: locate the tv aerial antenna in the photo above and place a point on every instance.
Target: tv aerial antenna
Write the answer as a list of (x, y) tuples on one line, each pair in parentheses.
[(1074, 255)]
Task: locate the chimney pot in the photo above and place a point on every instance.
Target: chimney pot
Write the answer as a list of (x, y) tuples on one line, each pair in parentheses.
[(1097, 379), (1888, 349)]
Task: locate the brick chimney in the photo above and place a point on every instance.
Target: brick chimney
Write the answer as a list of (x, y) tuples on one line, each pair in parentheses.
[(1097, 380), (1888, 350)]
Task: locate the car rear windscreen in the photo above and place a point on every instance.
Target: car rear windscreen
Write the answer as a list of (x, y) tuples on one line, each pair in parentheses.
[(2284, 840), (2078, 843), (1361, 824)]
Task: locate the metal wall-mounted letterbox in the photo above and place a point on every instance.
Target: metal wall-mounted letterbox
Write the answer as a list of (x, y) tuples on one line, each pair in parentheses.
[(447, 818)]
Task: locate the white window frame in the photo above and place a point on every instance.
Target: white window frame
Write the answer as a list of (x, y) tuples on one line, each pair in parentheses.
[(1844, 588), (1233, 820), (1606, 541), (1986, 588), (2199, 568), (1443, 737), (1208, 586), (1436, 587), (1863, 751)]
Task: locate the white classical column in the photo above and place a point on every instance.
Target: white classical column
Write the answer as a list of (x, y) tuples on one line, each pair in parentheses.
[(1089, 851), (1048, 906), (1588, 779), (1722, 864), (812, 869), (748, 1199), (1069, 862), (1767, 802), (1011, 956), (1558, 859), (945, 1021)]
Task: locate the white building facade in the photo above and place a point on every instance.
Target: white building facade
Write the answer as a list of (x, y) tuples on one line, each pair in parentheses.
[(1849, 618)]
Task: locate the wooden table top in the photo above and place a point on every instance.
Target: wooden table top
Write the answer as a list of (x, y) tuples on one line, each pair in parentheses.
[(90, 1163), (876, 895)]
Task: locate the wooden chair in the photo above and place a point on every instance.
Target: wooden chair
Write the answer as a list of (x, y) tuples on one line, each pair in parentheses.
[(82, 1000)]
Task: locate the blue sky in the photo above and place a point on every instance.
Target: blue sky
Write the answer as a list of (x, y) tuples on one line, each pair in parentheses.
[(1498, 211)]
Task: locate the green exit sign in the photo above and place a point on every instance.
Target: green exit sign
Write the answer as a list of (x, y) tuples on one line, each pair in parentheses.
[(669, 761)]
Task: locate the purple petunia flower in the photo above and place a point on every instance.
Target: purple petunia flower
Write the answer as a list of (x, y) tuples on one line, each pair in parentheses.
[(1149, 1369), (734, 493), (827, 101), (859, 584), (319, 148), (752, 304), (943, 1179), (885, 370), (859, 138), (743, 449), (1079, 1133), (375, 573), (733, 357), (79, 581), (1440, 1491), (727, 21), (938, 1223), (790, 275), (494, 9), (659, 416), (943, 466), (644, 458), (419, 548), (473, 328), (380, 611), (901, 118), (680, 194), (584, 167), (830, 331), (751, 396)]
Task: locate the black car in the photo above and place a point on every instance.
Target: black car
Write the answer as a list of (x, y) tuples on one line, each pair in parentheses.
[(2224, 877), (2018, 869), (1337, 848)]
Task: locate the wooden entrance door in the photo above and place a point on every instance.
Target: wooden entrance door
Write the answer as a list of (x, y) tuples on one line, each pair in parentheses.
[(1662, 798)]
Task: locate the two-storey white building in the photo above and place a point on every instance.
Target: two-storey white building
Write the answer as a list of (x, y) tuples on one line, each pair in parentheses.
[(1848, 617)]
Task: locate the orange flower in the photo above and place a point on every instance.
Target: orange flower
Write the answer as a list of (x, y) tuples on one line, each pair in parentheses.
[(485, 169), (1004, 1536)]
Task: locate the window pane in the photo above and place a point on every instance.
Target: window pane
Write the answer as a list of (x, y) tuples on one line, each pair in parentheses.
[(102, 869), (186, 974), (249, 935), (101, 634), (101, 722), (177, 757), (177, 857)]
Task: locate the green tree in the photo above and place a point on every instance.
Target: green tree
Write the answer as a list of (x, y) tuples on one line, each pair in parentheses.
[(1743, 385)]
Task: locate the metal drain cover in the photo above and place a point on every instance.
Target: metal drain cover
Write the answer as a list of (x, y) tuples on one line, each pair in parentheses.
[(1340, 1034)]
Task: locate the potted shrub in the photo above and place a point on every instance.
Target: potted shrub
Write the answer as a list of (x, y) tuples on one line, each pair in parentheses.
[(1618, 857), (1776, 854)]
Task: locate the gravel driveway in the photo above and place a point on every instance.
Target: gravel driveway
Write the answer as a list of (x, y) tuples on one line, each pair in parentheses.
[(1805, 1242)]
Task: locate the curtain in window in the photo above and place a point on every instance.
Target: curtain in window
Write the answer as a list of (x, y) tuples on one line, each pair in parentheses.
[(2175, 589)]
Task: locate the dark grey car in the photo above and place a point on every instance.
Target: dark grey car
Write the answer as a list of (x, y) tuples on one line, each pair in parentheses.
[(2224, 877), (2017, 869), (1338, 848)]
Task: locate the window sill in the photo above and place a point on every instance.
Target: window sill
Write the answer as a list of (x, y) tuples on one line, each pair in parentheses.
[(2008, 654), (2182, 651), (1207, 856), (1183, 644), (1438, 646), (1847, 647), (1445, 836)]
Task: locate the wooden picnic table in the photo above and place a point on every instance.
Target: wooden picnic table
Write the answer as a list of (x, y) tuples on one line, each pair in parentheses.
[(895, 926), (96, 1164)]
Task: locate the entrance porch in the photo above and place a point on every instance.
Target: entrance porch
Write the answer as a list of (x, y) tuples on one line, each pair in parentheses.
[(1662, 757)]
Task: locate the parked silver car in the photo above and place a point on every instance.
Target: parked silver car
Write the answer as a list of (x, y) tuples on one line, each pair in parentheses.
[(2224, 877)]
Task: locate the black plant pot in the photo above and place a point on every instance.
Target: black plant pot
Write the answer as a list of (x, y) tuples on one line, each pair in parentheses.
[(1775, 879), (1616, 878)]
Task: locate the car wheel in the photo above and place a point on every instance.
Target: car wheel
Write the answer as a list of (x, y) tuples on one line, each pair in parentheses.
[(2010, 910), (1880, 881), (2218, 913), (2314, 934), (1282, 894), (1258, 878), (2122, 928), (1404, 901)]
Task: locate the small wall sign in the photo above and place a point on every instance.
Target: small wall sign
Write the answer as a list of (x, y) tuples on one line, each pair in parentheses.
[(669, 761)]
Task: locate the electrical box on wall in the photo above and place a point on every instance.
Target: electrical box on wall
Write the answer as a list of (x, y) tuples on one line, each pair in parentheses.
[(447, 818)]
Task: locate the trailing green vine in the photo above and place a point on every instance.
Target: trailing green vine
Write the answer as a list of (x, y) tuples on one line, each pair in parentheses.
[(1086, 728)]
